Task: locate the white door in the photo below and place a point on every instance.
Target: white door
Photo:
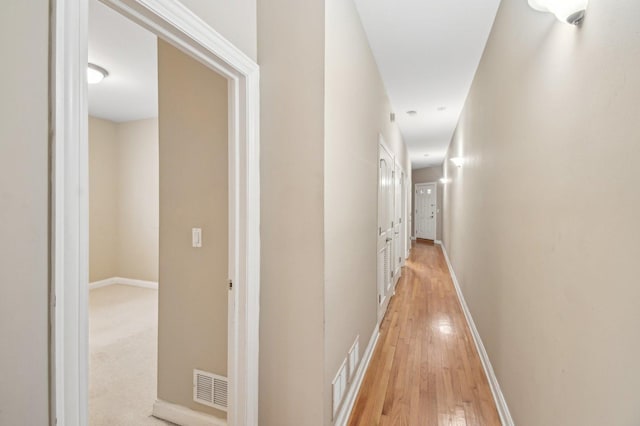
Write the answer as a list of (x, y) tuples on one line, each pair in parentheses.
[(409, 218), (397, 223), (385, 228), (426, 211), (403, 219)]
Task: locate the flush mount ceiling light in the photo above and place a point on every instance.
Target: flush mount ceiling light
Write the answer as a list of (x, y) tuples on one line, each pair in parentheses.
[(412, 113), (457, 161), (567, 11), (95, 74)]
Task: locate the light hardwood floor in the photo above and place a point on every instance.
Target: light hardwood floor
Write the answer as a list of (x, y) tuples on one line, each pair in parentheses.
[(425, 369)]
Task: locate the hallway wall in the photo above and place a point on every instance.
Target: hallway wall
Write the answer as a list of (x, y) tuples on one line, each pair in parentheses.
[(236, 21), (541, 222), (291, 58), (357, 110), (428, 175), (24, 187)]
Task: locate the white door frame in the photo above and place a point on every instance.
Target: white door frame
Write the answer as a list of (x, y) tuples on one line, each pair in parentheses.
[(177, 25), (435, 221)]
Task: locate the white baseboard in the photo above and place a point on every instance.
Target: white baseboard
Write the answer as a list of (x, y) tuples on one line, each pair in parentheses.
[(123, 281), (501, 403), (184, 416), (438, 242), (101, 283), (350, 398)]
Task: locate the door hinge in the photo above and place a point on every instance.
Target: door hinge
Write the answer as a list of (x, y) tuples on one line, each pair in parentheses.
[(230, 284)]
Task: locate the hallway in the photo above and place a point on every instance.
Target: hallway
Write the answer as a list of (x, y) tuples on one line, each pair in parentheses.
[(425, 369)]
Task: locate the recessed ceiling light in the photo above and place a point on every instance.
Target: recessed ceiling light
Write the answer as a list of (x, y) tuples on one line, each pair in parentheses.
[(442, 108), (412, 112), (95, 74)]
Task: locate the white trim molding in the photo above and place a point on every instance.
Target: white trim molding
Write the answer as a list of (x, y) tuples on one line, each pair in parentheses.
[(123, 281), (501, 403), (438, 242), (347, 405), (184, 416), (173, 22)]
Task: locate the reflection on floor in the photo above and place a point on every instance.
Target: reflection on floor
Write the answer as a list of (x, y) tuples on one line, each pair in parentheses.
[(123, 334), (425, 369)]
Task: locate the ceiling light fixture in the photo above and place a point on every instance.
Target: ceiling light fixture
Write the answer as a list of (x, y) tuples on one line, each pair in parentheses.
[(457, 161), (95, 74), (567, 11), (412, 112)]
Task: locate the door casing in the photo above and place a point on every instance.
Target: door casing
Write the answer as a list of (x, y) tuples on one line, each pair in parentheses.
[(68, 288)]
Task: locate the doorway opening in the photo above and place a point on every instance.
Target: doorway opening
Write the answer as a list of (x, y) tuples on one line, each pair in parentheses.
[(182, 33), (123, 220)]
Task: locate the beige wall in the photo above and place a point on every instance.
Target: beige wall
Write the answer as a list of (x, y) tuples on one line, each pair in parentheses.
[(24, 184), (236, 20), (291, 58), (428, 175), (192, 316), (138, 205), (541, 223), (356, 111), (123, 199), (103, 199)]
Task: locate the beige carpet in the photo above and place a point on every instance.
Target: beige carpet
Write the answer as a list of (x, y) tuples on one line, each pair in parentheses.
[(123, 340)]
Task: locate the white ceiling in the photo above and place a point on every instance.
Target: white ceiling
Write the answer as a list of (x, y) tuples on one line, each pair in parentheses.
[(129, 53), (427, 52)]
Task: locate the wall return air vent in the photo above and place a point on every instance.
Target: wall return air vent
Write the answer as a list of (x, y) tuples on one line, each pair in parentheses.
[(210, 389)]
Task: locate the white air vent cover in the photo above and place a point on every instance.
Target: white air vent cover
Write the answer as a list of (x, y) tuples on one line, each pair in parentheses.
[(210, 389)]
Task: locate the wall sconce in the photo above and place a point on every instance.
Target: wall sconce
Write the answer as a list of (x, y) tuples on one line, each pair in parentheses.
[(567, 11), (457, 161)]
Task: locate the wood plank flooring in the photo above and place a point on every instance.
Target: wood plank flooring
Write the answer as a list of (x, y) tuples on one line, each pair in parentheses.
[(425, 369)]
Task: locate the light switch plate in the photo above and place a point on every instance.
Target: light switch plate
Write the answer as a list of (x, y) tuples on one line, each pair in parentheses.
[(196, 237)]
